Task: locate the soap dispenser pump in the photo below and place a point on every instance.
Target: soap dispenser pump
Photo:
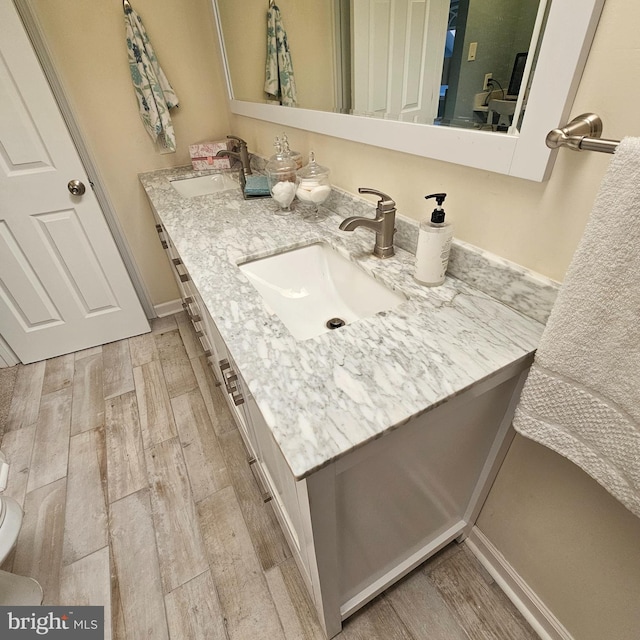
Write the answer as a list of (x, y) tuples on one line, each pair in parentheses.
[(434, 245)]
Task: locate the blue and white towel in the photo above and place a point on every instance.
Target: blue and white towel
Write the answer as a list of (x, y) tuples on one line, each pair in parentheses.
[(279, 83), (153, 91)]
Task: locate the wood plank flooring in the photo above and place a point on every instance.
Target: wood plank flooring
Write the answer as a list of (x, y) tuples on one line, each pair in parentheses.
[(137, 497)]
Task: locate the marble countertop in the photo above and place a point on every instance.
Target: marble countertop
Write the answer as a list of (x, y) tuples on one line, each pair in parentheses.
[(328, 395)]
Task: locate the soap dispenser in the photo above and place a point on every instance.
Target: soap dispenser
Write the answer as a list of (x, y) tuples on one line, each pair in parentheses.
[(434, 244)]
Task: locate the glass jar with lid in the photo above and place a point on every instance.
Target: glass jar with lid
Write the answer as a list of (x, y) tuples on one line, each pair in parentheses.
[(313, 186), (295, 155), (282, 178)]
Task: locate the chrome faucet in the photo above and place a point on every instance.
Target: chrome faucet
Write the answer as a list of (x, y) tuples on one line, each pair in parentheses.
[(240, 152), (383, 224)]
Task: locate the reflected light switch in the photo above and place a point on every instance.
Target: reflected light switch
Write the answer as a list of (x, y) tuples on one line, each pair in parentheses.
[(473, 46)]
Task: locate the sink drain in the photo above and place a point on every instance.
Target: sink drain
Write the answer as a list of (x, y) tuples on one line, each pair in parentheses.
[(335, 323)]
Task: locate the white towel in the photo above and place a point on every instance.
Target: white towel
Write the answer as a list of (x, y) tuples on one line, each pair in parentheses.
[(582, 396)]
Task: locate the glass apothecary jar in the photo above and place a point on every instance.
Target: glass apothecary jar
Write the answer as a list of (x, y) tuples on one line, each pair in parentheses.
[(282, 178), (295, 155), (313, 186)]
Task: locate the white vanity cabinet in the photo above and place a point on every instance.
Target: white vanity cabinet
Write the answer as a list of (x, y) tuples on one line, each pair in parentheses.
[(368, 517), (365, 520), (381, 510)]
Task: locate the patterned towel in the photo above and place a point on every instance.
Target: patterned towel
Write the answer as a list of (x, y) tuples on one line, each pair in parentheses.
[(582, 396), (153, 91), (279, 84)]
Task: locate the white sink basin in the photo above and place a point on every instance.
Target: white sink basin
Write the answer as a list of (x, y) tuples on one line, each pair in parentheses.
[(309, 286), (203, 185)]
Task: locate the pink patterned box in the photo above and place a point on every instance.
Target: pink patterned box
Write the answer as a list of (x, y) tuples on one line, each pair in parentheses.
[(203, 155)]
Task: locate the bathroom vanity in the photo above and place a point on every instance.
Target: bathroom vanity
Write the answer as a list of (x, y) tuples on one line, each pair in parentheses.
[(376, 443)]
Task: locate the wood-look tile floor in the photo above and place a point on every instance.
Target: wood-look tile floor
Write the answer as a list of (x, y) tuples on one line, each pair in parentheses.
[(137, 497)]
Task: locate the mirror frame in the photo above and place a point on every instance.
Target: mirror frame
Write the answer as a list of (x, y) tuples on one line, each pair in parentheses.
[(561, 58)]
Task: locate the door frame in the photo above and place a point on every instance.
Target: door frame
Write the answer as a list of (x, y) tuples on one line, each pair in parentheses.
[(34, 32)]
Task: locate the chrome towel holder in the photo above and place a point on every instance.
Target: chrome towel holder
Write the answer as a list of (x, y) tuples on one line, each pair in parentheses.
[(582, 134)]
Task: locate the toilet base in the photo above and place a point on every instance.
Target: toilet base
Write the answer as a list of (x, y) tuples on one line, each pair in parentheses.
[(10, 523), (19, 590)]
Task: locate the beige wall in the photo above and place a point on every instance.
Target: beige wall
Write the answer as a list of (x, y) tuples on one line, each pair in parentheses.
[(573, 543), (87, 43), (570, 540), (576, 547)]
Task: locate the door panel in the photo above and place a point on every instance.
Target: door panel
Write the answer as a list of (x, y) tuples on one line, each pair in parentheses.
[(67, 244), (21, 289), (398, 57), (21, 148), (63, 285)]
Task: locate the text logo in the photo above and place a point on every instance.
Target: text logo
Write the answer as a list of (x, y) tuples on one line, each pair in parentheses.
[(52, 623)]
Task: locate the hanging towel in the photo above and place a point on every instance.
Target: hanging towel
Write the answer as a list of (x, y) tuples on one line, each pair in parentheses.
[(153, 91), (582, 396), (279, 83)]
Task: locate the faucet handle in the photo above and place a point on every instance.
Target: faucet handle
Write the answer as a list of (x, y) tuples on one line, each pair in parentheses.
[(239, 140), (385, 204)]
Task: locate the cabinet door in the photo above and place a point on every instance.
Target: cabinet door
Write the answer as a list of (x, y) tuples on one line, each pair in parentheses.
[(217, 343), (234, 388)]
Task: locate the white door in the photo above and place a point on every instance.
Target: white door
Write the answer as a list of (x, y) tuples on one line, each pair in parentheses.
[(63, 285), (398, 54)]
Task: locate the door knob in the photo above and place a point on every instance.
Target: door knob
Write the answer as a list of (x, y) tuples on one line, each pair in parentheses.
[(76, 188)]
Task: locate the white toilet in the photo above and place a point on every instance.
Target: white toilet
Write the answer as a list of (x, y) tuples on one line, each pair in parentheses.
[(14, 590)]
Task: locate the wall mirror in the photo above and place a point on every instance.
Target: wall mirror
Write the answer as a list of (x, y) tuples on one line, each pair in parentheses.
[(410, 75)]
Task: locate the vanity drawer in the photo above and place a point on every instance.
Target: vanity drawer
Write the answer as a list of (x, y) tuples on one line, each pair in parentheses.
[(180, 272), (202, 321), (165, 241), (226, 372), (178, 269), (282, 485), (194, 310)]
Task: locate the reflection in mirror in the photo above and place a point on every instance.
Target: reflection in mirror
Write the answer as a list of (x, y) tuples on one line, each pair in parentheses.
[(560, 56), (446, 62)]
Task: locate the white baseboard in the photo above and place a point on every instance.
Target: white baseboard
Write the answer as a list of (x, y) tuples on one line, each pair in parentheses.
[(537, 614), (168, 308)]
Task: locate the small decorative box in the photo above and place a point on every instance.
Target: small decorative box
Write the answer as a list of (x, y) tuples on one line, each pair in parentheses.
[(203, 155)]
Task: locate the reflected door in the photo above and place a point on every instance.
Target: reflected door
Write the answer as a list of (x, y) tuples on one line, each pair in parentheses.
[(63, 285), (398, 57)]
